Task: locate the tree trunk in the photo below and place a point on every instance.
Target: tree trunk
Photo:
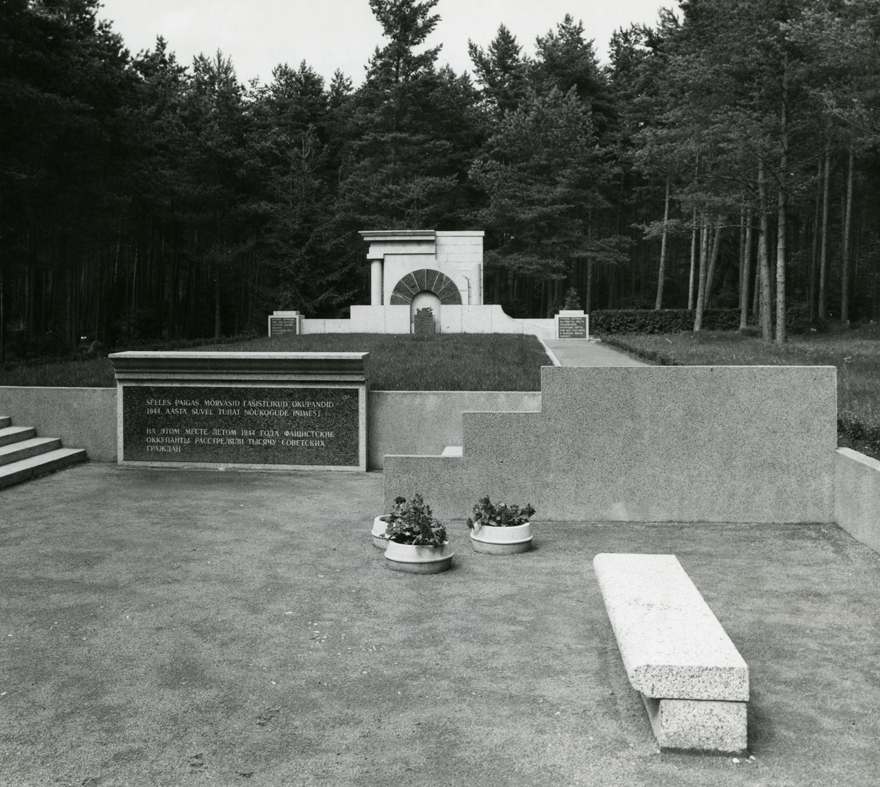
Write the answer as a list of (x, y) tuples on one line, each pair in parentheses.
[(693, 262), (763, 257), (823, 249), (662, 274), (588, 305), (847, 225), (745, 271), (781, 337), (713, 263), (782, 206), (704, 259)]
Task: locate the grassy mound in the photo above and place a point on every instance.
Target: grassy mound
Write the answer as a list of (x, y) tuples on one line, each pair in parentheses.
[(444, 362)]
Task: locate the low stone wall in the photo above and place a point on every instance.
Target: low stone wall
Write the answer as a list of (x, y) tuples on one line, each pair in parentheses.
[(647, 444), (417, 422), (857, 496), (425, 422), (81, 417), (453, 319)]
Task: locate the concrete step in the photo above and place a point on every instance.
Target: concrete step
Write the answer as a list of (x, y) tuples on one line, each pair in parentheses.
[(24, 449), (32, 467), (5, 421), (13, 434)]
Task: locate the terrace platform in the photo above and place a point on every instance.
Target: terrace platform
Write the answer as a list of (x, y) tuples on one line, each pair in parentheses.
[(162, 625)]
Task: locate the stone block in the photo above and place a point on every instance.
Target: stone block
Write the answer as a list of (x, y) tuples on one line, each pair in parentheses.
[(857, 496), (367, 319), (673, 646), (698, 725)]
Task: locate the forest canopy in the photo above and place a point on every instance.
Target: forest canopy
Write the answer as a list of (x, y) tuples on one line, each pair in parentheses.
[(725, 157)]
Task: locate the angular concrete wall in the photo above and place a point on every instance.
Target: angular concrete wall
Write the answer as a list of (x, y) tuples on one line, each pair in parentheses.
[(81, 417), (425, 422), (417, 422), (686, 444), (857, 496)]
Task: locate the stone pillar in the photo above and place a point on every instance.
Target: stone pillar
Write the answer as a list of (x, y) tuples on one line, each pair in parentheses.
[(375, 282)]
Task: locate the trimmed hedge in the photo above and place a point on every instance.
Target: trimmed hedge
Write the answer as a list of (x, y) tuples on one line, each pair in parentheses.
[(612, 321), (865, 436)]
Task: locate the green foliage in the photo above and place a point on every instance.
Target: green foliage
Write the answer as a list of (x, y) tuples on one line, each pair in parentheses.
[(801, 322), (144, 198), (539, 171), (608, 322), (499, 515), (411, 522), (502, 72)]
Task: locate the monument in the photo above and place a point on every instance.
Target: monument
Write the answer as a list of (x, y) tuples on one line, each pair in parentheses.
[(412, 271)]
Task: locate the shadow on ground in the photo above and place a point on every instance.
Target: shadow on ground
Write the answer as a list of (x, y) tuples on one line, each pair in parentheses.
[(165, 628)]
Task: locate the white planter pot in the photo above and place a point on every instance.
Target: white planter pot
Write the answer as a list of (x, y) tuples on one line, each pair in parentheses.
[(502, 540), (379, 525), (418, 559)]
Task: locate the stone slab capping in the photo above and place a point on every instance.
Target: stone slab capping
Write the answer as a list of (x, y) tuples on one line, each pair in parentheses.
[(692, 679), (24, 456)]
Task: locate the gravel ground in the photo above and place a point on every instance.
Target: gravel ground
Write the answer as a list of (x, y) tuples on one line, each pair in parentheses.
[(165, 627)]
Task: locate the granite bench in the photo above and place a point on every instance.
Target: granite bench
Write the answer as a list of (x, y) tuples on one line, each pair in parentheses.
[(691, 677)]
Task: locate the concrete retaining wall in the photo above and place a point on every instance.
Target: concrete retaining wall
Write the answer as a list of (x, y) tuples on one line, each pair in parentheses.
[(453, 319), (81, 417), (425, 422), (857, 496), (418, 422), (647, 444)]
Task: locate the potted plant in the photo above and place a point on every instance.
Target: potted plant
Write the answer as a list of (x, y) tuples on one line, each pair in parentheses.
[(380, 525), (416, 541), (500, 529)]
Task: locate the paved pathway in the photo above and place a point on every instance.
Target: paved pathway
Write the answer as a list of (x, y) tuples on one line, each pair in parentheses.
[(574, 352), (193, 627)]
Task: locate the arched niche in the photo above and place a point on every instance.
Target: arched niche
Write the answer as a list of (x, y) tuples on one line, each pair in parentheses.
[(425, 280)]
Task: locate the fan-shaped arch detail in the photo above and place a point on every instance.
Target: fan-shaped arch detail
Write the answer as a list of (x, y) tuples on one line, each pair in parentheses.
[(425, 280)]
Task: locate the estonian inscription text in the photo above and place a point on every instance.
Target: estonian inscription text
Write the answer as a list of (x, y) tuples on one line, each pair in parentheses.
[(291, 426)]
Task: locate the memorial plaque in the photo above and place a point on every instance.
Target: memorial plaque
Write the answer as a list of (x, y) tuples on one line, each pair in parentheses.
[(572, 326), (283, 326), (236, 425), (251, 410)]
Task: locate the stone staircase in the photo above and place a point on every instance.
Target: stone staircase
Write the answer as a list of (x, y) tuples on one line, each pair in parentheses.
[(23, 455)]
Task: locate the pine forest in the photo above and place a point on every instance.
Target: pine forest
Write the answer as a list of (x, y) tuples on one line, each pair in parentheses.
[(727, 157)]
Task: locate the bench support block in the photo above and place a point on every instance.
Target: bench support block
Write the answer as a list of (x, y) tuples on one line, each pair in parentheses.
[(698, 725)]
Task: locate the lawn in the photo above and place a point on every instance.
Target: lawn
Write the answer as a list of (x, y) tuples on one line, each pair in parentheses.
[(445, 362), (855, 353)]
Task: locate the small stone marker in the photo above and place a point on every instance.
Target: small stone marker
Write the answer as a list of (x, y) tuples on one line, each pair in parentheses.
[(284, 323), (249, 410), (423, 322), (572, 324)]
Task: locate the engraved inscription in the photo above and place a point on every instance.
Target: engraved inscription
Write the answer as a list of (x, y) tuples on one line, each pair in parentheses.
[(282, 326), (572, 327), (285, 426)]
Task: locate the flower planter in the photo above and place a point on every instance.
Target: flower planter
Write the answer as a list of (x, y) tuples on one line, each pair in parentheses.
[(415, 559), (502, 540), (380, 523)]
